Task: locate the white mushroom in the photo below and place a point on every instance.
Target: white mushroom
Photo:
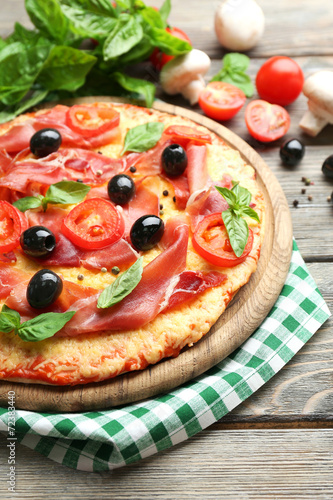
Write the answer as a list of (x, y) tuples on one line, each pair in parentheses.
[(318, 88), (184, 75), (239, 24)]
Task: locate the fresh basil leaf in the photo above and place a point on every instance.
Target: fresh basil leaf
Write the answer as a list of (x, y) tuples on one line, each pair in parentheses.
[(250, 213), (242, 81), (28, 202), (66, 192), (228, 195), (233, 71), (43, 326), (9, 319), (23, 35), (125, 35), (99, 7), (168, 43), (48, 18), (152, 17), (238, 231), (141, 87), (122, 286), (165, 11), (35, 98), (89, 23), (219, 77), (138, 53), (243, 195), (143, 137), (65, 69), (125, 4), (235, 61)]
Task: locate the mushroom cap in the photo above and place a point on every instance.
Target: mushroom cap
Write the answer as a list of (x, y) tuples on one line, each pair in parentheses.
[(181, 70), (318, 88)]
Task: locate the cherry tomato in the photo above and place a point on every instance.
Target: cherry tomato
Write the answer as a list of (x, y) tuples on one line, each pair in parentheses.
[(90, 121), (266, 122), (158, 58), (280, 80), (211, 241), (182, 135), (93, 224), (221, 100), (12, 223)]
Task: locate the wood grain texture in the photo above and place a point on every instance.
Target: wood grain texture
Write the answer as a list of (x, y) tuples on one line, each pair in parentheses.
[(246, 312)]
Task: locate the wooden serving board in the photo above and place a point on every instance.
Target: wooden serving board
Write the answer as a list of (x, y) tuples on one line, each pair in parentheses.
[(244, 314)]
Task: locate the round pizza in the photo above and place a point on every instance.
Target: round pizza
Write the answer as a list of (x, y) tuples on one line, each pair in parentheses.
[(124, 234)]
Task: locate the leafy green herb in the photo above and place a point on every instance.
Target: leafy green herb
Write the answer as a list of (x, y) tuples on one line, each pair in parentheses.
[(143, 137), (233, 71), (39, 328), (138, 86), (238, 199), (122, 286), (124, 36), (64, 193)]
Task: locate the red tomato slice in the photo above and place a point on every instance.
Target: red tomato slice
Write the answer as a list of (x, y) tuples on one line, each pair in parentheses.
[(90, 121), (158, 58), (266, 122), (93, 224), (183, 135), (211, 241), (12, 223), (221, 100)]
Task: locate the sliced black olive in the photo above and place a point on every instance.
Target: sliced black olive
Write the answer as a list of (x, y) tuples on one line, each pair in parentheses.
[(327, 167), (44, 288), (146, 232), (37, 241), (121, 189), (45, 142), (291, 152), (174, 160)]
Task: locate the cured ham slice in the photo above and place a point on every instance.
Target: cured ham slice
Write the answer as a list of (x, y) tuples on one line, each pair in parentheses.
[(206, 203), (52, 218), (119, 254), (10, 277), (145, 202), (197, 173)]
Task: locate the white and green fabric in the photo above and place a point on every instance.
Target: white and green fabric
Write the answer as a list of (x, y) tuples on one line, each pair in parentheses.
[(96, 441)]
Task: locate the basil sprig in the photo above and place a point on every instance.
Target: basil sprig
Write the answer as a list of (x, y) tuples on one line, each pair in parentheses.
[(233, 71), (143, 137), (39, 328), (237, 228), (122, 286), (64, 193)]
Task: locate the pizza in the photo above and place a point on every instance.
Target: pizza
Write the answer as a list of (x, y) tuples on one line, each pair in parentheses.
[(124, 234)]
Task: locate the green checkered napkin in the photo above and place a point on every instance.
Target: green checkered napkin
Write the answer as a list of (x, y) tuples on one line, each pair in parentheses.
[(96, 441)]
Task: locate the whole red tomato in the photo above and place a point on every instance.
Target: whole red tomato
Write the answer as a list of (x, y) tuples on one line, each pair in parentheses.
[(158, 58), (280, 80)]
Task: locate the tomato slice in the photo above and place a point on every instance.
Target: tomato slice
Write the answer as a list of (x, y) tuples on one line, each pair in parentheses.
[(90, 121), (221, 100), (211, 241), (12, 223), (158, 58), (183, 135), (93, 224), (266, 122)]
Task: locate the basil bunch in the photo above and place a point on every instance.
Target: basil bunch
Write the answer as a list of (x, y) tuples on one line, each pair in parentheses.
[(233, 71), (81, 47), (64, 193)]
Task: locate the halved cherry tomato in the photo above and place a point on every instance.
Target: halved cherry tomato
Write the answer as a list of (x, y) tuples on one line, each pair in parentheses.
[(90, 121), (12, 223), (158, 58), (182, 135), (266, 122), (211, 241), (221, 100), (93, 224)]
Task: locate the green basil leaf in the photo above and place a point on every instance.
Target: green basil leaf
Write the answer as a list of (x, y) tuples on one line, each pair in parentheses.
[(99, 7), (125, 4), (122, 286), (138, 53), (243, 195), (168, 43), (48, 18), (238, 231), (125, 35), (65, 69), (9, 319), (28, 202), (228, 195), (142, 87), (219, 77), (165, 11), (23, 35), (89, 23), (143, 137), (250, 213), (233, 71), (152, 17), (66, 192), (43, 326), (242, 81), (235, 61), (35, 98)]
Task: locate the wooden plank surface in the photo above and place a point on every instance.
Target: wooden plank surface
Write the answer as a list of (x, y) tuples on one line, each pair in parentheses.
[(223, 462)]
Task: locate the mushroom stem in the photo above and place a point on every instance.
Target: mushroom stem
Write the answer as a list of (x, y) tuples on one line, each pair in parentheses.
[(192, 91), (318, 88), (312, 123)]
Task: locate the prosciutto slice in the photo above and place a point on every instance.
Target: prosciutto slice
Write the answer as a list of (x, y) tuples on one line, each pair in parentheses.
[(10, 277), (119, 254), (197, 173), (145, 202)]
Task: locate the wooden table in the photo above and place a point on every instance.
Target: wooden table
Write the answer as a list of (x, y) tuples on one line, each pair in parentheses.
[(290, 419)]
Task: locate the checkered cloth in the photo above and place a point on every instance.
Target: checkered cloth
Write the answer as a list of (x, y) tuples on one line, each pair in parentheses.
[(96, 441)]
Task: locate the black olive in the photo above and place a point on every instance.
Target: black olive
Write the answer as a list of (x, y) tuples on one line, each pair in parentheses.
[(174, 160), (146, 232), (327, 167), (121, 189), (44, 288), (291, 152), (37, 241), (45, 142)]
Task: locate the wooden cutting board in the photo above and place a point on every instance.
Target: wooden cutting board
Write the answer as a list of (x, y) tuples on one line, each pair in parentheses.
[(244, 314)]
